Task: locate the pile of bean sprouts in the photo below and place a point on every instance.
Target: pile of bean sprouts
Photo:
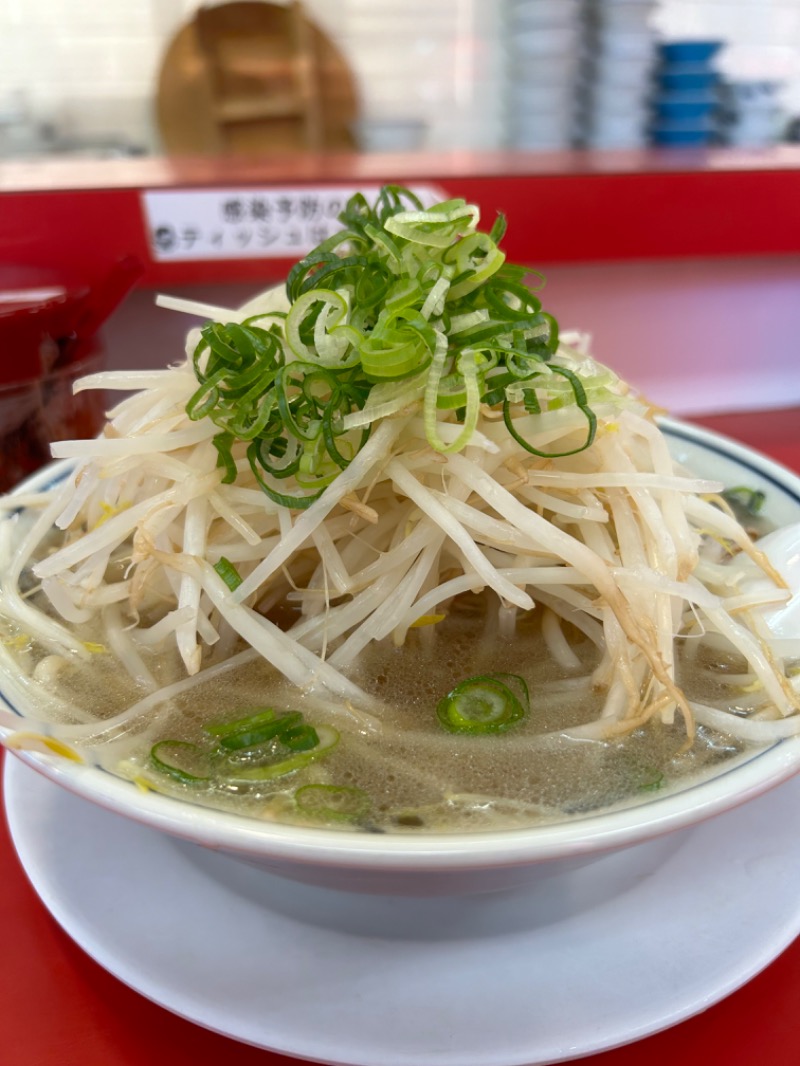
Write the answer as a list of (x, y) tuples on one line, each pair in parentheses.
[(612, 540)]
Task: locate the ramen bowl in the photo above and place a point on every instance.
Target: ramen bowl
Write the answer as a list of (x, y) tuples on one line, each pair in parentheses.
[(451, 864)]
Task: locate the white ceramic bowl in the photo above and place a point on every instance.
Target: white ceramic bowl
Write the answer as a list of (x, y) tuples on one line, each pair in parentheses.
[(543, 70), (612, 44), (452, 864), (556, 97), (634, 16), (546, 41), (542, 125), (629, 125), (620, 73), (535, 14)]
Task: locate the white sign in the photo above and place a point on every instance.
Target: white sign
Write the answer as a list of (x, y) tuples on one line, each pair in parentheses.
[(250, 223)]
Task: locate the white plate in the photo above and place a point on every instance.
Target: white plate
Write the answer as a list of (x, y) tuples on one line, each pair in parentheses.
[(590, 960)]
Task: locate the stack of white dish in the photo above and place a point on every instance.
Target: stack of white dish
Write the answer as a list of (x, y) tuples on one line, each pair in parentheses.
[(751, 114), (543, 40), (615, 95)]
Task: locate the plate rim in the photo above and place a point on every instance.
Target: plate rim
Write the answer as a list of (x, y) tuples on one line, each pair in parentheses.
[(723, 982)]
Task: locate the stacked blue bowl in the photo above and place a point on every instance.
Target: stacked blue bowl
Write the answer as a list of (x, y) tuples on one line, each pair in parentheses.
[(686, 94)]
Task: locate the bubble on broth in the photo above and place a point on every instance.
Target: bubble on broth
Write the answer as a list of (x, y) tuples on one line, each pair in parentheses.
[(417, 777)]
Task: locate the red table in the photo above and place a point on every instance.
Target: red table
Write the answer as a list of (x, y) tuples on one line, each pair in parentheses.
[(59, 1008)]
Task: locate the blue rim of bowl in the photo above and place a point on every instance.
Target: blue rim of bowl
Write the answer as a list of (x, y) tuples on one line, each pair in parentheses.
[(690, 50), (586, 832)]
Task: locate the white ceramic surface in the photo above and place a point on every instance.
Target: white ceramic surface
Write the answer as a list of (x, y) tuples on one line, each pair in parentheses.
[(618, 125), (541, 124), (616, 142), (584, 962), (621, 72), (546, 69), (614, 44), (445, 864), (535, 14), (782, 548), (546, 41), (626, 17), (556, 96)]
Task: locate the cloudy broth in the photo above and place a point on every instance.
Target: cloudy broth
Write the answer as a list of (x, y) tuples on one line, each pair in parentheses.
[(409, 775)]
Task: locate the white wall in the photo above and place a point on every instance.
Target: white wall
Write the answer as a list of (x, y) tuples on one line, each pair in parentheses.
[(87, 66), (434, 61), (90, 66)]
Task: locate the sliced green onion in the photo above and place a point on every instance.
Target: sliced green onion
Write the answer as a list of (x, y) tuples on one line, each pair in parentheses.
[(225, 728), (181, 761), (298, 500), (228, 572), (517, 684), (299, 737), (483, 704), (332, 803), (223, 442), (477, 258), (401, 292), (472, 391), (499, 227), (652, 780), (256, 747), (452, 392), (327, 738), (579, 395), (323, 346), (437, 227), (745, 500), (259, 730)]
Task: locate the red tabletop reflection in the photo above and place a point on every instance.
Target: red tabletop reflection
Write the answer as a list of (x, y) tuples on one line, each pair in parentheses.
[(59, 1008)]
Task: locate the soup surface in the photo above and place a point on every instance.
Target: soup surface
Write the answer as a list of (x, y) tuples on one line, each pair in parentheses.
[(406, 773)]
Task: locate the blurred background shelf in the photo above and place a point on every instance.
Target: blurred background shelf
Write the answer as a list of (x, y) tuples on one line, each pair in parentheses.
[(84, 75), (252, 77)]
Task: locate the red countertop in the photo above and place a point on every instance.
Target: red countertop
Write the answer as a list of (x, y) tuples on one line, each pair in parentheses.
[(59, 1008), (79, 216)]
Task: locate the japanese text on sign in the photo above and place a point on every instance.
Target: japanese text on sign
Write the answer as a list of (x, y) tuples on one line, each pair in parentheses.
[(277, 223)]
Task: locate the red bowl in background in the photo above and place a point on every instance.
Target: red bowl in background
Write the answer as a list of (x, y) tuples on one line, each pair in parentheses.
[(48, 339), (39, 411)]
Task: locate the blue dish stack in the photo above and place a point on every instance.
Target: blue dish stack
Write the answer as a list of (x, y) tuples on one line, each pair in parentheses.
[(686, 98)]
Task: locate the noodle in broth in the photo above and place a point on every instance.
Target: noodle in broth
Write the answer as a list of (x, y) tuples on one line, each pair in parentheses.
[(391, 494)]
